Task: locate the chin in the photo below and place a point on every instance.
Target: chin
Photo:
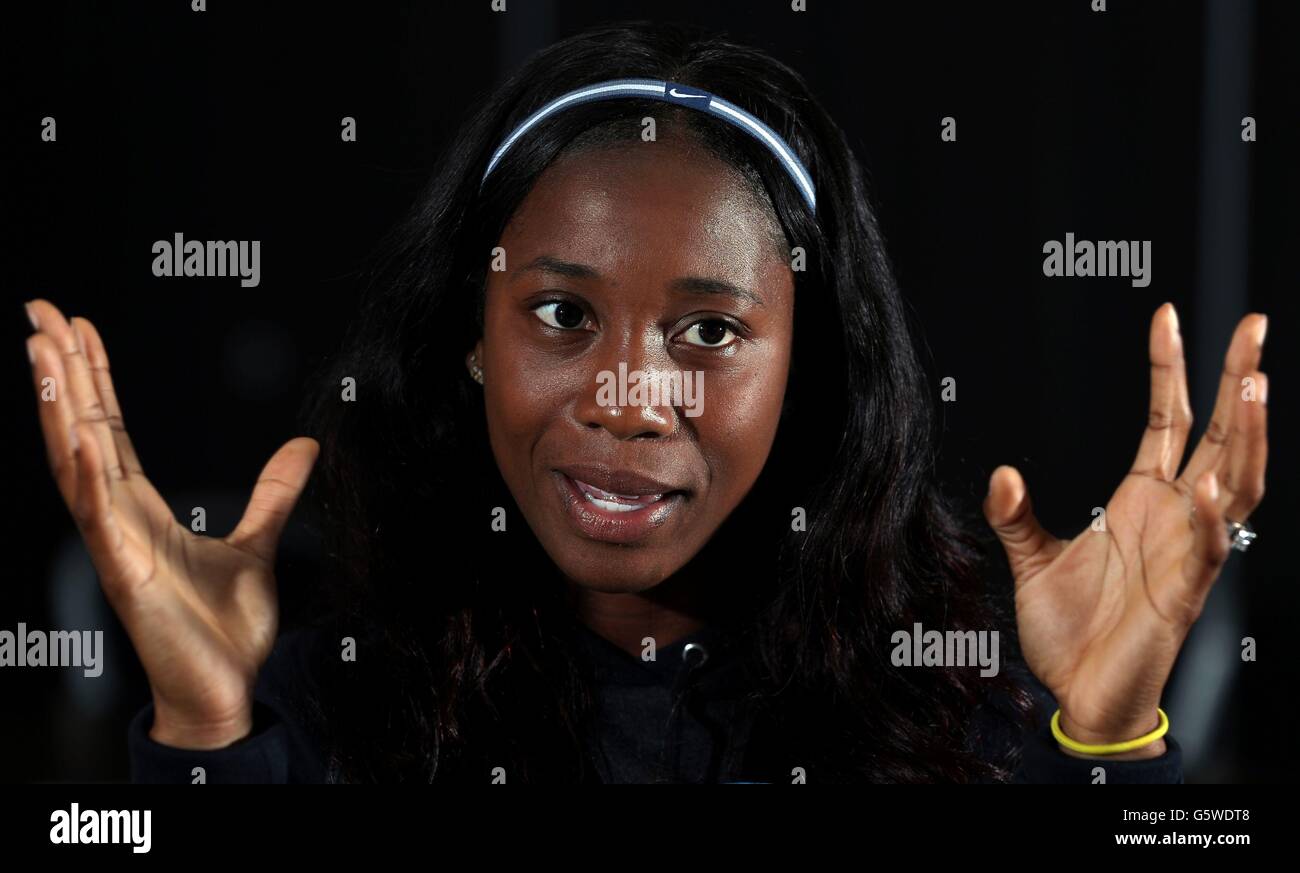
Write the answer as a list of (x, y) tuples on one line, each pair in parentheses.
[(612, 569)]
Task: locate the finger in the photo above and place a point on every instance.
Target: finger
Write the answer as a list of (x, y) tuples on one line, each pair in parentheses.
[(1210, 545), (1241, 359), (80, 387), (1011, 515), (1247, 453), (55, 413), (1170, 418), (97, 359), (274, 497), (93, 506)]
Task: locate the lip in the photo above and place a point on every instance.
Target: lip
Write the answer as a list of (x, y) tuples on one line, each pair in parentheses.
[(615, 506)]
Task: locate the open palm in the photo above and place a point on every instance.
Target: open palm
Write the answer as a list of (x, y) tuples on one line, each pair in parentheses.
[(1102, 617), (201, 612)]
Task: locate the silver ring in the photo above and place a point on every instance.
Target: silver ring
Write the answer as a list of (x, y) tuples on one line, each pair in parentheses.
[(1241, 534)]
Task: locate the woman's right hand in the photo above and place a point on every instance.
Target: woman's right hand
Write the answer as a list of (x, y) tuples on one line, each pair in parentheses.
[(201, 611)]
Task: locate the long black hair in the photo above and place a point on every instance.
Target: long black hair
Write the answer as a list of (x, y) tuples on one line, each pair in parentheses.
[(464, 634)]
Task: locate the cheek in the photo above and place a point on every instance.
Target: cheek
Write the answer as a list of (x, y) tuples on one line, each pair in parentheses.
[(525, 389), (513, 411), (519, 398), (739, 425)]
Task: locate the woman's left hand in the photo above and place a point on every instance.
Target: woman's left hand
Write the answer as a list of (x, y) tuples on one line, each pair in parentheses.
[(1102, 617)]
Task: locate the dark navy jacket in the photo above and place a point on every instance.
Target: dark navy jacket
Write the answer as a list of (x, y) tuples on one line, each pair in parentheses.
[(679, 718)]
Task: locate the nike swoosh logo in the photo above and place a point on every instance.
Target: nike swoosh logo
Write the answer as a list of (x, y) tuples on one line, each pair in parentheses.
[(674, 92)]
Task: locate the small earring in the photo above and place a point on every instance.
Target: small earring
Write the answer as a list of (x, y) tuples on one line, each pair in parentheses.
[(475, 370)]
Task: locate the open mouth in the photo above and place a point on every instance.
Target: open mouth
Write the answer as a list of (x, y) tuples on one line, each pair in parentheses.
[(627, 515), (615, 502)]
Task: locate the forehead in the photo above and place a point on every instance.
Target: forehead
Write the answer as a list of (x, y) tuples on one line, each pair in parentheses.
[(662, 207)]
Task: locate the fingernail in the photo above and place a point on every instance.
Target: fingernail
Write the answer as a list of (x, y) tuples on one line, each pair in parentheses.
[(72, 437), (1262, 329), (1173, 314), (1263, 389), (1214, 487), (31, 316), (31, 353)]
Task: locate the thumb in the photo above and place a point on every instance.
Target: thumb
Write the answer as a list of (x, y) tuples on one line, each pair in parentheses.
[(1011, 515), (274, 496)]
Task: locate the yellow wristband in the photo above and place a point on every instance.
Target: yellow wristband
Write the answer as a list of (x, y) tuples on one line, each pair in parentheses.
[(1109, 748)]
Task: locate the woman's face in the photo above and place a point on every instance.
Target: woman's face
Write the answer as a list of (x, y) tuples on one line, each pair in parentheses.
[(647, 266)]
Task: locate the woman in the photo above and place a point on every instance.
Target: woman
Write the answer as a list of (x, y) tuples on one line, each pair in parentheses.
[(543, 573)]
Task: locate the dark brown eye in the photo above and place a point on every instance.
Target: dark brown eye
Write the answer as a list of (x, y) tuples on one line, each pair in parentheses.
[(709, 333), (566, 316)]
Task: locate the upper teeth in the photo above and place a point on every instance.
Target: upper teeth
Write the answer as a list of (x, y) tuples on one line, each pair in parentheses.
[(615, 502)]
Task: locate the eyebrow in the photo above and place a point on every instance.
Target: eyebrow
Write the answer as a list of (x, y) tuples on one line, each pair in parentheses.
[(686, 284), (702, 285), (548, 264)]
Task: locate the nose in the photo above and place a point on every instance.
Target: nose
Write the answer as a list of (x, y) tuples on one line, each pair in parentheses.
[(623, 395)]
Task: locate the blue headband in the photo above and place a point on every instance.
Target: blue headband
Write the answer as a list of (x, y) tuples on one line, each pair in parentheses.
[(681, 95)]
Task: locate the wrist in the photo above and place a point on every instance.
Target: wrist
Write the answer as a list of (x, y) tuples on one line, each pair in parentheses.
[(183, 732), (1152, 750), (1112, 735)]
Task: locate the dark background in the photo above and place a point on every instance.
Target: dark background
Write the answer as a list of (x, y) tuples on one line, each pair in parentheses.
[(225, 125)]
